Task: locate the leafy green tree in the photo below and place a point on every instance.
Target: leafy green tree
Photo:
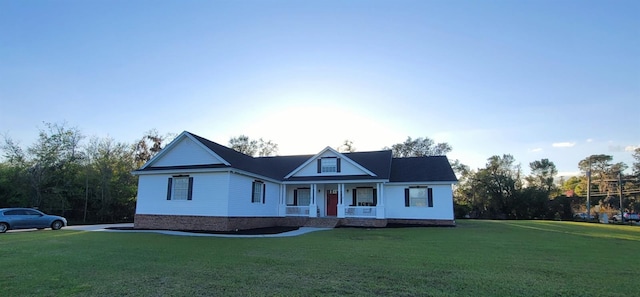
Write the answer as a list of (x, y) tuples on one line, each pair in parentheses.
[(46, 170), (244, 145), (14, 182), (604, 175), (113, 188), (489, 192), (148, 146), (601, 169), (636, 164), (251, 147), (347, 147), (530, 203), (419, 147), (575, 184), (60, 175), (267, 148), (14, 186), (542, 175)]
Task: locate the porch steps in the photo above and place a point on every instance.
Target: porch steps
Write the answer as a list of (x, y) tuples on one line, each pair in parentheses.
[(322, 222)]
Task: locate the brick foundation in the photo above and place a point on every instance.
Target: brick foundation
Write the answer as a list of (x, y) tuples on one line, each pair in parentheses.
[(175, 222), (169, 222), (355, 222)]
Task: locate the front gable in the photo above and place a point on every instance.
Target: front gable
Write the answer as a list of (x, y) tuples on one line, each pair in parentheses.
[(329, 162), (185, 151)]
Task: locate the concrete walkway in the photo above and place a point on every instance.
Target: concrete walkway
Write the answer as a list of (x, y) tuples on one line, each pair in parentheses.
[(103, 228)]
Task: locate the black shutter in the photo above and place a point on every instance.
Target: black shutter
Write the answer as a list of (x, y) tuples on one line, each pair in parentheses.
[(354, 200), (264, 191), (406, 197), (375, 197), (319, 165), (253, 191), (338, 165), (169, 189), (430, 197), (295, 197), (190, 196)]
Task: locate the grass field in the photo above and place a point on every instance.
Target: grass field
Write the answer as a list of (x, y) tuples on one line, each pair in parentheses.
[(476, 258)]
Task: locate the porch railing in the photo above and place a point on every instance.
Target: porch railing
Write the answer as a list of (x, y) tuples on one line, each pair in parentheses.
[(360, 211), (297, 210)]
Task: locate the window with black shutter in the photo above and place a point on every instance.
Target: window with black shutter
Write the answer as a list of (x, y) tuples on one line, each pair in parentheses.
[(180, 187), (257, 193), (418, 196)]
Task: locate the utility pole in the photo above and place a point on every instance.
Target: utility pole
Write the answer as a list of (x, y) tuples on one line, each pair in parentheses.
[(589, 191), (620, 193)]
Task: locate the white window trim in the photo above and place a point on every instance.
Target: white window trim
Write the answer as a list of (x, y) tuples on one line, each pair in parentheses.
[(329, 165), (364, 197), (308, 197), (180, 188), (257, 192), (417, 197)]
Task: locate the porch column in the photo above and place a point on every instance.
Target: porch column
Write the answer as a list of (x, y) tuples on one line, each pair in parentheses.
[(313, 207), (340, 201), (282, 202), (380, 205)]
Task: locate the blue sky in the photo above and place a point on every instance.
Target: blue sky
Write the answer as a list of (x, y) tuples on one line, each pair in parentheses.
[(535, 79)]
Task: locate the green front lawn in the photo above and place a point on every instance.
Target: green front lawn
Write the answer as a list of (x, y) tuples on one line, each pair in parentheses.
[(476, 258)]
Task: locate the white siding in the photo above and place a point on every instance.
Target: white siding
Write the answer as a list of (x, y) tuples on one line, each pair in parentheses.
[(321, 199), (210, 195), (442, 204), (186, 152), (346, 168), (240, 204)]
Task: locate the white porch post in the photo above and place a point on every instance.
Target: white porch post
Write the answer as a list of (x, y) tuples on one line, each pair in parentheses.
[(313, 207), (340, 200), (380, 204), (282, 202)]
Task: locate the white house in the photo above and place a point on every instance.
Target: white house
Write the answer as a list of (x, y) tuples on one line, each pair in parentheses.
[(197, 184)]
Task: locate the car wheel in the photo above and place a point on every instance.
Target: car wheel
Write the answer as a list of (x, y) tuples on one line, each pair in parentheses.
[(4, 227), (56, 225)]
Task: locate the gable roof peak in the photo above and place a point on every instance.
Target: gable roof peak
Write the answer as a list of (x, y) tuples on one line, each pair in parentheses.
[(175, 141), (339, 154)]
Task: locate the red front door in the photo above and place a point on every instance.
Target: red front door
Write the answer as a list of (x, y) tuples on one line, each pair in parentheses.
[(332, 204)]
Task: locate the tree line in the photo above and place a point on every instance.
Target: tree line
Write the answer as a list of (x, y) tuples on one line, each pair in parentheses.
[(500, 191), (90, 180), (64, 173)]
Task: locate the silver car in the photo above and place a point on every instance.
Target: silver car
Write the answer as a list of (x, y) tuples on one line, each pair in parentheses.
[(27, 218)]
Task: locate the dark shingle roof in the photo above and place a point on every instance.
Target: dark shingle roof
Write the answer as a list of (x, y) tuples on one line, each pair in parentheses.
[(334, 178), (247, 163), (381, 163), (433, 168), (377, 162), (280, 166), (235, 158)]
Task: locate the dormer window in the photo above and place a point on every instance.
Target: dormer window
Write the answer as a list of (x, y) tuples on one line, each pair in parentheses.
[(329, 165)]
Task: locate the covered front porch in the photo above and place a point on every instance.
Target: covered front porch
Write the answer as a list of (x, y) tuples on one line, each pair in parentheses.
[(332, 200)]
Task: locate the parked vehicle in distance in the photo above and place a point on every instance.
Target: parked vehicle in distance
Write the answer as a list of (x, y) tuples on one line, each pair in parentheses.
[(27, 218), (581, 216), (629, 217)]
